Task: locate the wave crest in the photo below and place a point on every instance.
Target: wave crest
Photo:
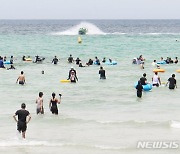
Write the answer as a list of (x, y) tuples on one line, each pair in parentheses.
[(92, 30)]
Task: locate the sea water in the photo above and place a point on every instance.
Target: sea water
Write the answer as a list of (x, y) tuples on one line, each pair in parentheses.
[(95, 116)]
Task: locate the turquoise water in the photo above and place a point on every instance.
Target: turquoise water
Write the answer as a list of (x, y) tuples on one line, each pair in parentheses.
[(95, 116)]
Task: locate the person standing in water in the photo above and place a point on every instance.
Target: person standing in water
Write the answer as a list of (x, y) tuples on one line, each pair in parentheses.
[(156, 80), (55, 60), (22, 119), (102, 73), (72, 75), (143, 79), (172, 82), (53, 104), (21, 78), (39, 102), (70, 59), (11, 60), (139, 88)]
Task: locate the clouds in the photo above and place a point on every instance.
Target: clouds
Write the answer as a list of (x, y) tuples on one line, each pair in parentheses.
[(89, 9)]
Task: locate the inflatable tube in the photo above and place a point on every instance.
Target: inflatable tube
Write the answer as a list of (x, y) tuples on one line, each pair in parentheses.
[(146, 87), (111, 63), (6, 62), (178, 71), (159, 70), (65, 81), (28, 59), (95, 63), (161, 62)]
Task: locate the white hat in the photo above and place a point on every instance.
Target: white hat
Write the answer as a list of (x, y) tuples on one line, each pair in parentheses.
[(72, 67)]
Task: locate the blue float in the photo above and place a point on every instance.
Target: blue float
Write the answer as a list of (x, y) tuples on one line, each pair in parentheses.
[(146, 87), (161, 62), (6, 62), (111, 63)]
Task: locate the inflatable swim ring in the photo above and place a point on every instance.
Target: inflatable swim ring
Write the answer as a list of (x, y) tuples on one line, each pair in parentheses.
[(178, 71), (95, 63), (65, 80), (28, 59), (146, 87), (6, 62), (111, 63), (161, 62), (159, 70)]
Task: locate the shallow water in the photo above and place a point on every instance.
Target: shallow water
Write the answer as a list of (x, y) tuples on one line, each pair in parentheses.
[(95, 116)]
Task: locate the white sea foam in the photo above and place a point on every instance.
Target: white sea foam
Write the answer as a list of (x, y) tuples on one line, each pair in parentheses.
[(92, 30), (22, 142), (175, 124), (16, 143)]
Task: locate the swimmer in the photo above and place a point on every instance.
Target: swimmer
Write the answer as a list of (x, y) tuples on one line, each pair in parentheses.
[(55, 60), (176, 60), (11, 60), (139, 88), (1, 62), (12, 67), (172, 82), (22, 119), (42, 72), (143, 79), (90, 62), (72, 75), (156, 80), (70, 59), (21, 78), (104, 60), (154, 63), (39, 102), (97, 61), (80, 65), (102, 73), (78, 61), (53, 104), (24, 58)]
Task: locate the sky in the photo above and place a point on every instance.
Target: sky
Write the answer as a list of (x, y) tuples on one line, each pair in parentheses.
[(89, 9)]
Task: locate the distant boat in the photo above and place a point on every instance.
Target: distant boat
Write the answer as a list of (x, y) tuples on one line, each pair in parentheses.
[(83, 31)]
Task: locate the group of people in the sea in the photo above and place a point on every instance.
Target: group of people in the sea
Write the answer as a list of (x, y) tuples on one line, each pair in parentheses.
[(90, 61), (140, 61), (156, 81), (3, 60), (72, 76), (22, 114)]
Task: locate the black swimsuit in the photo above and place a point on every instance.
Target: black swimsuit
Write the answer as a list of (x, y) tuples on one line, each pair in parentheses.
[(54, 108)]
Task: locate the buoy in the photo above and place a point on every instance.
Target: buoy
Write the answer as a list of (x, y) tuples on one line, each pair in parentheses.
[(79, 40), (178, 71)]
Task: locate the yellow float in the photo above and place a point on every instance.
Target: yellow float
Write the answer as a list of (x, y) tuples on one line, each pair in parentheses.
[(65, 81), (28, 59), (178, 71), (79, 40), (159, 70)]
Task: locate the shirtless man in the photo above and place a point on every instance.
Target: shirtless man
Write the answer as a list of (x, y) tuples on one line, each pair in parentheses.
[(21, 78)]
